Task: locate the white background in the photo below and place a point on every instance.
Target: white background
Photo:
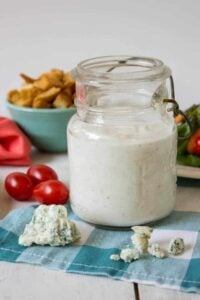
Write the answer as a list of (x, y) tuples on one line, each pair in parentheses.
[(38, 35)]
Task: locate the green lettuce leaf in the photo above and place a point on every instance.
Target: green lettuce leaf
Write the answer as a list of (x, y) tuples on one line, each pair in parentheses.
[(189, 160)]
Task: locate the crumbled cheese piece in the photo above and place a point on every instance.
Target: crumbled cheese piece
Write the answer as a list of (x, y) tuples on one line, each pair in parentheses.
[(141, 237), (115, 257), (143, 230), (155, 250), (49, 226), (140, 242), (129, 254), (176, 246)]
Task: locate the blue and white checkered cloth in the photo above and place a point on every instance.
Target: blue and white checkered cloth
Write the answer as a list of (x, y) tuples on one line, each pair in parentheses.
[(91, 255)]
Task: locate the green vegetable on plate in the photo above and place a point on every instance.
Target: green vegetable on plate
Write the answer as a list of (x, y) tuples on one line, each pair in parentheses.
[(188, 152)]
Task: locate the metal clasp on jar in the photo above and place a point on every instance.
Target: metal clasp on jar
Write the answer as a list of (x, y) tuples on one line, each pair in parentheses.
[(176, 110)]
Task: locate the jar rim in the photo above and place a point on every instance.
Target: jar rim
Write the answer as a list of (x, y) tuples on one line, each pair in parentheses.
[(101, 68)]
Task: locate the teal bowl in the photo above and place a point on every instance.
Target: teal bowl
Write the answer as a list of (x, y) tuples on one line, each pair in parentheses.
[(46, 128)]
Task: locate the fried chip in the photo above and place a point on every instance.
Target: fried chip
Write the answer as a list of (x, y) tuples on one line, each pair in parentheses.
[(26, 86), (37, 103), (63, 100), (26, 78), (55, 81), (28, 93), (50, 79), (24, 102), (57, 74), (53, 89), (69, 82), (43, 83), (46, 97), (13, 96)]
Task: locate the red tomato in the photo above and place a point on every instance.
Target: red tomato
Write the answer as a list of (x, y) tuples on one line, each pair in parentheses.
[(197, 146), (193, 146), (40, 173), (51, 192), (19, 186)]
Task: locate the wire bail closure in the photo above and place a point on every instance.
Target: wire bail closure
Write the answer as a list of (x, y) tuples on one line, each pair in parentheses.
[(176, 110), (175, 106)]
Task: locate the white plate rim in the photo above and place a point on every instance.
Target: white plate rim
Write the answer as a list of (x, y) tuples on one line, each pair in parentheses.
[(188, 172)]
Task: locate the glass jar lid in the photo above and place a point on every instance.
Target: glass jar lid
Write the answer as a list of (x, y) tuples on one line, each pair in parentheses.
[(112, 69)]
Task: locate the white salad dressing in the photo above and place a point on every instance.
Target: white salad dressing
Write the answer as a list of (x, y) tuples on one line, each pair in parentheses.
[(122, 175), (122, 142)]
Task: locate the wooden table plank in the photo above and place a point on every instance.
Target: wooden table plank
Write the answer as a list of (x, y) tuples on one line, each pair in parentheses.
[(150, 292), (25, 282)]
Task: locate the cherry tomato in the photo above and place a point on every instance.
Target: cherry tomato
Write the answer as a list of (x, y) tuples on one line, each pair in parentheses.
[(40, 173), (51, 192), (193, 146), (19, 186), (197, 146)]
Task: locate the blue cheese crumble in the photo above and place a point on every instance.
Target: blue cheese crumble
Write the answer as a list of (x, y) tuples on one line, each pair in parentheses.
[(115, 257), (49, 226), (176, 246), (129, 254), (143, 230), (141, 237), (155, 250)]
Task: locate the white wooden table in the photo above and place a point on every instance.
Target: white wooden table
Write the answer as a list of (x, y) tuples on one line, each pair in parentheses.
[(25, 282)]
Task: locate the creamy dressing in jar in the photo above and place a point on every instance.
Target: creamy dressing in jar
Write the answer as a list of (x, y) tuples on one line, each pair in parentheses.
[(122, 153), (120, 178)]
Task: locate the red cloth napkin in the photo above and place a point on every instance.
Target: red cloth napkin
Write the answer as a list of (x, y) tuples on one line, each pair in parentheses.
[(15, 147)]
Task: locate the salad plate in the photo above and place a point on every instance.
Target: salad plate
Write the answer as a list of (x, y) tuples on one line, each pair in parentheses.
[(188, 151), (188, 172)]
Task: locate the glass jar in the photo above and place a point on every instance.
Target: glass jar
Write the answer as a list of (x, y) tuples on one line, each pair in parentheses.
[(122, 142)]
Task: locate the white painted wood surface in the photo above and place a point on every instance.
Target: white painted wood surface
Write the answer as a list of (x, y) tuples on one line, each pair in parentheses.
[(155, 293), (25, 282)]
